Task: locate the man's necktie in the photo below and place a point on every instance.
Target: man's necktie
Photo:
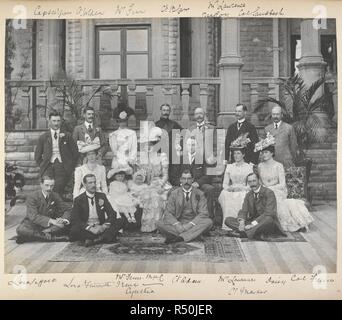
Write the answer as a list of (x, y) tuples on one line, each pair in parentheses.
[(276, 125), (89, 128), (239, 125), (256, 195), (187, 195), (55, 135), (47, 199), (91, 200)]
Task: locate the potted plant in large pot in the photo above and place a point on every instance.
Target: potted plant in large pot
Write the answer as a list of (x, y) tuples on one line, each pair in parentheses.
[(74, 98), (305, 109), (308, 109)]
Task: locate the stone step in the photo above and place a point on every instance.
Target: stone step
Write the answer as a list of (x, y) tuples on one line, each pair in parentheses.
[(319, 152), (331, 145), (322, 187), (322, 179), (323, 160), (323, 173), (323, 167)]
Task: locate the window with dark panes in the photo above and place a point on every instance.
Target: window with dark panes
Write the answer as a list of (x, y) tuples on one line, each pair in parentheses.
[(328, 50), (124, 52)]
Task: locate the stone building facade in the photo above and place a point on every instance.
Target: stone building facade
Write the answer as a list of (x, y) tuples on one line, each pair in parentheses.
[(190, 62)]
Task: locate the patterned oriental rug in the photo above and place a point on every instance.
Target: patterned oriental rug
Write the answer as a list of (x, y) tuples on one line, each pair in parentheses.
[(145, 247)]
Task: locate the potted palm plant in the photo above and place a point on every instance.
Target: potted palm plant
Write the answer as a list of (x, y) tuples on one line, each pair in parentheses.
[(74, 98), (308, 110)]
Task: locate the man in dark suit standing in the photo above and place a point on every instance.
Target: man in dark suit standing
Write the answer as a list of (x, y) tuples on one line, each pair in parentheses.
[(93, 219), (47, 217), (89, 128), (56, 153), (258, 216), (186, 215), (169, 125), (238, 128)]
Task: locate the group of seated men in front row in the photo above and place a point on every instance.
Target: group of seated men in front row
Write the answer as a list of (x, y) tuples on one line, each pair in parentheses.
[(155, 195)]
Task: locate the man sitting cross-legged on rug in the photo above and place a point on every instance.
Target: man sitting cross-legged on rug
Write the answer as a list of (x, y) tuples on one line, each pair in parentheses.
[(88, 218), (258, 216), (186, 216), (47, 216)]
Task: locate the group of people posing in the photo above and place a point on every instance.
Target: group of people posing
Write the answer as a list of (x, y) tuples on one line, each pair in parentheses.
[(152, 192)]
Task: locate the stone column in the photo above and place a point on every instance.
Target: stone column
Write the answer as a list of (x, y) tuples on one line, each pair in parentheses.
[(230, 71), (49, 48), (311, 64)]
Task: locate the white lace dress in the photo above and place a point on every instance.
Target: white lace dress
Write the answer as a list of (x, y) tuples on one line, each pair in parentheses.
[(234, 189), (292, 213)]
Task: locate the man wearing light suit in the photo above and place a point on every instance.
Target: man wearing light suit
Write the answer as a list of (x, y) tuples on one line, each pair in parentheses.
[(89, 128), (258, 216), (286, 146), (56, 153), (186, 216)]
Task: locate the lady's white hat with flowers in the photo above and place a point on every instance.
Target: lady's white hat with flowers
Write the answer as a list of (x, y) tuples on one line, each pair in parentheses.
[(265, 143)]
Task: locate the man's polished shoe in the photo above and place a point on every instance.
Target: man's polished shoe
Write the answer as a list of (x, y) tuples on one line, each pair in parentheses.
[(88, 243), (173, 239), (20, 240), (263, 237)]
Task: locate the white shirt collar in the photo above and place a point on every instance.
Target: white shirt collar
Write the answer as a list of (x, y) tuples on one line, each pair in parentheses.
[(53, 131), (187, 191), (44, 195), (191, 155), (257, 191), (90, 195), (86, 123), (242, 120), (278, 124), (200, 124)]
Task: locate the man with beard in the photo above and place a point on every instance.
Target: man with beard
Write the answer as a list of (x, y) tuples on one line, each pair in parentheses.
[(285, 139), (88, 128), (238, 128), (186, 216), (168, 125), (258, 216)]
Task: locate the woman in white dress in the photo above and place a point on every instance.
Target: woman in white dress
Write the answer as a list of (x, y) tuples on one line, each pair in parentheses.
[(123, 143), (234, 182), (156, 168), (292, 213), (89, 149)]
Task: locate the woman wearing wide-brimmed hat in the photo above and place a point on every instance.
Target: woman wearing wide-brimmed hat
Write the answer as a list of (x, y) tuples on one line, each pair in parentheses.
[(234, 182), (156, 169), (89, 149), (292, 213), (123, 142)]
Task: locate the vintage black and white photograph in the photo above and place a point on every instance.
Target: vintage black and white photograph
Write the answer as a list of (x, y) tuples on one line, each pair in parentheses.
[(170, 145)]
